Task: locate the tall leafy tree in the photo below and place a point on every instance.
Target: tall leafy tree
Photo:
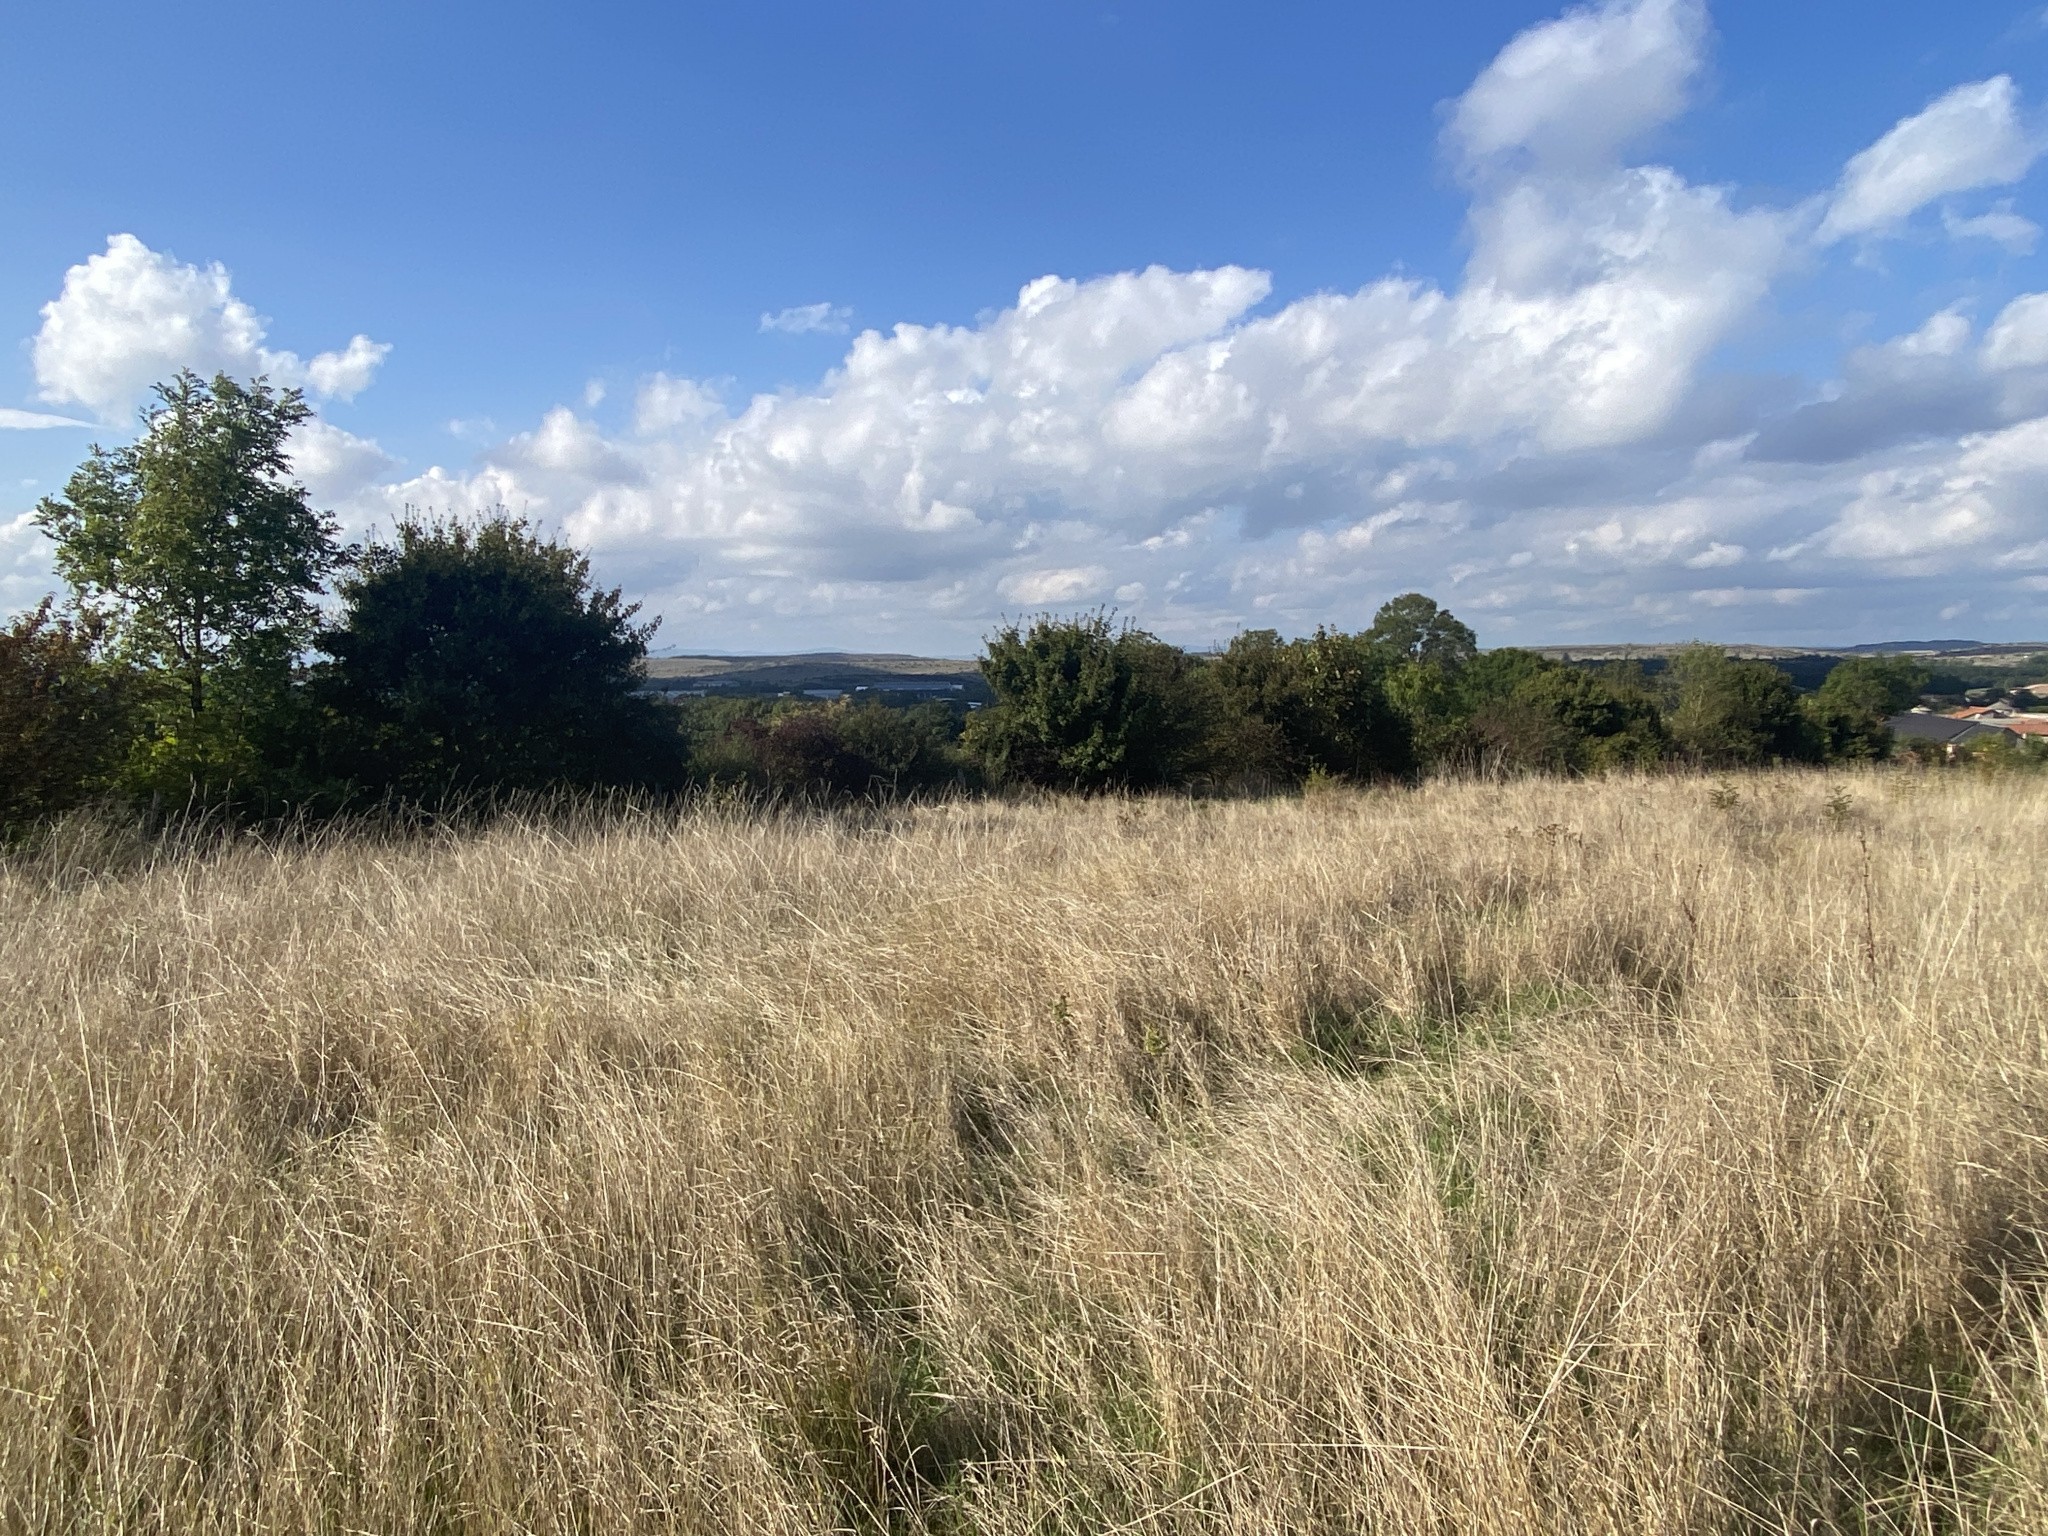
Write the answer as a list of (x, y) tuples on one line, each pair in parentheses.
[(193, 543), (480, 658), (1412, 628), (1850, 707), (201, 559)]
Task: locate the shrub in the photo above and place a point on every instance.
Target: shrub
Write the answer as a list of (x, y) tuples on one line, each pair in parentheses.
[(64, 717), (806, 752), (481, 658), (1318, 705), (1562, 719), (1084, 704), (910, 750), (1730, 713)]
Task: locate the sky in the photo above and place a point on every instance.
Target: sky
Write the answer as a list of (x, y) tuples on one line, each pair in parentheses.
[(870, 326)]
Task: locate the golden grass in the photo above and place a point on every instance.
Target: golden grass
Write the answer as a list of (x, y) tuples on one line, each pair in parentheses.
[(1548, 1157)]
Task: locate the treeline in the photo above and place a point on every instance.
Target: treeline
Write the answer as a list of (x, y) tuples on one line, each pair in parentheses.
[(222, 650)]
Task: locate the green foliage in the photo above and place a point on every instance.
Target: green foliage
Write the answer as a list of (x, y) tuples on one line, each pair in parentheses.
[(480, 659), (1875, 685), (1563, 719), (1514, 711), (2003, 752), (1085, 704), (908, 750), (1729, 713), (1319, 706), (64, 717), (1848, 710), (826, 751), (201, 560), (1413, 628)]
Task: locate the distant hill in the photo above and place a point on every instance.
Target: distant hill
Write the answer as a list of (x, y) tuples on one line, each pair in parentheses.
[(1634, 651), (1947, 648), (902, 678), (822, 674)]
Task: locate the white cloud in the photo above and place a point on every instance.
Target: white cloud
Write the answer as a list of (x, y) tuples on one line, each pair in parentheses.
[(1971, 137), (1736, 597), (1990, 486), (1059, 586), (131, 316), (1716, 554), (336, 466), (341, 375), (12, 420), (26, 572), (668, 405), (829, 319), (1573, 93), (2000, 225), (1549, 432), (2018, 338)]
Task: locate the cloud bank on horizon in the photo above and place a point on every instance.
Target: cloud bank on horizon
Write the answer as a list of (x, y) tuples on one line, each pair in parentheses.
[(1547, 445)]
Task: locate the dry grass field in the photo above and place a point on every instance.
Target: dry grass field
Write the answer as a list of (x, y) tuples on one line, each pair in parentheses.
[(1610, 1158)]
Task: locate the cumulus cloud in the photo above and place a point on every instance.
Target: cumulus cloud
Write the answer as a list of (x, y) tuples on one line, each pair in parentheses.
[(1092, 419), (335, 465), (1988, 488), (664, 404), (1036, 588), (1971, 137), (1547, 440), (131, 316), (2018, 338), (1928, 382), (1573, 93), (1535, 433), (805, 319)]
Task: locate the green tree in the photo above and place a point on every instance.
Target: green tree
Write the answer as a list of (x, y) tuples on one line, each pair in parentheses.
[(911, 749), (1083, 703), (479, 658), (1851, 705), (1565, 719), (1731, 713), (1876, 685), (63, 717), (1518, 711), (1413, 628), (1315, 705), (202, 560)]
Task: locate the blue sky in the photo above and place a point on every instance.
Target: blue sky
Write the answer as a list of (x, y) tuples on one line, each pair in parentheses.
[(862, 326)]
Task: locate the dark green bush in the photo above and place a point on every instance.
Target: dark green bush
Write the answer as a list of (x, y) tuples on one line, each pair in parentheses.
[(66, 718), (1320, 705), (478, 660), (1086, 704)]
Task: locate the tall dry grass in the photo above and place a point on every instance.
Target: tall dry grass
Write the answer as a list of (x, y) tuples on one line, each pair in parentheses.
[(1550, 1157)]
